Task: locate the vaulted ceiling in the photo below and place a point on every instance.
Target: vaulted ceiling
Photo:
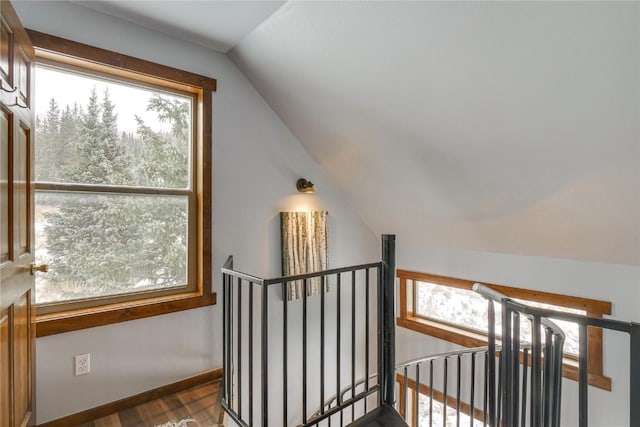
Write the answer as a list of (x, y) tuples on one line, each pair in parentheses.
[(493, 126), (506, 127)]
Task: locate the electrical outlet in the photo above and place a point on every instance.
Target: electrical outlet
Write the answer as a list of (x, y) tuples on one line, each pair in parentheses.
[(83, 364)]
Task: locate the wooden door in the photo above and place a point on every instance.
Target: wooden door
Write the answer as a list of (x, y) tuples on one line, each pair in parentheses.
[(17, 328)]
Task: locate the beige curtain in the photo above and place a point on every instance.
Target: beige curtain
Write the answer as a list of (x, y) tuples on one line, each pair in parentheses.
[(304, 249)]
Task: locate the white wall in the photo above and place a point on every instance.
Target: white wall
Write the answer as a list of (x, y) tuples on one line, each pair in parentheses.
[(256, 161), (619, 284)]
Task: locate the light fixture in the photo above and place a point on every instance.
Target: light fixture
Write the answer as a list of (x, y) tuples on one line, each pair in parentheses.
[(304, 186)]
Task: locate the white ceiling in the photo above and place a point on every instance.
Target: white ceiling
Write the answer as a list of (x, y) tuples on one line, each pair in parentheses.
[(509, 127), (506, 127), (215, 24)]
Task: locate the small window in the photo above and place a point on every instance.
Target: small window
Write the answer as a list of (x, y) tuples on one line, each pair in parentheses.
[(466, 309), (447, 308), (121, 185)]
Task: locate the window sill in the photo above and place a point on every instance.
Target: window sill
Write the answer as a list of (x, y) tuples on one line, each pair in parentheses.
[(470, 339), (75, 320)]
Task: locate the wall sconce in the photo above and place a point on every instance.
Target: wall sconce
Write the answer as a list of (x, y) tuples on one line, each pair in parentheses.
[(304, 186)]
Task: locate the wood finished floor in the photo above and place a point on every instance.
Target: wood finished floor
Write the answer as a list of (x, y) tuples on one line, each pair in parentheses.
[(198, 403)]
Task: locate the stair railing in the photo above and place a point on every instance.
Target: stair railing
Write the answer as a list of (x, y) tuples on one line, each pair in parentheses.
[(509, 383), (488, 385), (545, 389), (268, 342), (543, 393), (465, 371)]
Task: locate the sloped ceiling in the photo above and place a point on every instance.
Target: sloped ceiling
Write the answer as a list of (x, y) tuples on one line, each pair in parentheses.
[(507, 127)]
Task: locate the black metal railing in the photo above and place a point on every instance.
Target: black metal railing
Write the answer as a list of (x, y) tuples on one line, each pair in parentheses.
[(444, 388), (509, 382), (283, 360), (328, 359), (530, 373), (511, 307)]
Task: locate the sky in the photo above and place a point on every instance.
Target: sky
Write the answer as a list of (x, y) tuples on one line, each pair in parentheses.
[(68, 88)]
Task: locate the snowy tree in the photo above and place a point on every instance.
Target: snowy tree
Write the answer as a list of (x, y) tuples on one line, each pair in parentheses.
[(101, 243)]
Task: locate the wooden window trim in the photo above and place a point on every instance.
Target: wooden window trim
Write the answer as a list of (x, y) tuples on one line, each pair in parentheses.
[(75, 320), (464, 337), (100, 60)]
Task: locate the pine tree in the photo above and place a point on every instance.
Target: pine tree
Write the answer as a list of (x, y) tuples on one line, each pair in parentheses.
[(119, 171), (88, 236), (163, 162), (113, 244), (48, 130), (69, 141)]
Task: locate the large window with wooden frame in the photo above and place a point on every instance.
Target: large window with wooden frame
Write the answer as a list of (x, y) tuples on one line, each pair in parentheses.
[(447, 308), (122, 179)]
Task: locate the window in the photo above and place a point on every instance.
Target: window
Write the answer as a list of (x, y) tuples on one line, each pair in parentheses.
[(466, 309), (448, 309), (122, 203)]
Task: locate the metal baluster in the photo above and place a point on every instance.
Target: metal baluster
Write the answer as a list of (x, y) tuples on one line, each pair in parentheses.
[(366, 335), (506, 359), (380, 339), (230, 342), (353, 342), (547, 375), (491, 362), (265, 355), (251, 285), (557, 387), (239, 338), (431, 393), (338, 292), (515, 363), (416, 402), (485, 389), (583, 385), (525, 371), (634, 392), (285, 352), (444, 391), (322, 292), (225, 309), (473, 388), (304, 351), (457, 394), (536, 348), (406, 393), (388, 315), (499, 395)]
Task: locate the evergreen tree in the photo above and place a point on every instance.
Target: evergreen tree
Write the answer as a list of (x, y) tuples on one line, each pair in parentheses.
[(48, 130), (113, 147), (163, 162), (102, 159), (69, 141), (88, 235), (112, 244)]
